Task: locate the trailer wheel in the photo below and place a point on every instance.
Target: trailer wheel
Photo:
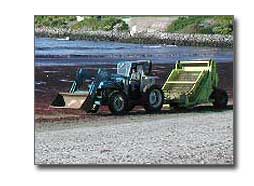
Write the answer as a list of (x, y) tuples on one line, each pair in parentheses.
[(118, 103), (220, 98), (154, 98)]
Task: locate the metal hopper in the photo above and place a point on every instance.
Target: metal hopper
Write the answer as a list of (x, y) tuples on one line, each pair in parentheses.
[(192, 83)]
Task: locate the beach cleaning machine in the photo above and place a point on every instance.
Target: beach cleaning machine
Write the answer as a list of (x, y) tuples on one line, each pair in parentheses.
[(189, 84), (192, 83)]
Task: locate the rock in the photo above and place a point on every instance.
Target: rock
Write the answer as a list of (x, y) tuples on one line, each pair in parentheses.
[(138, 37)]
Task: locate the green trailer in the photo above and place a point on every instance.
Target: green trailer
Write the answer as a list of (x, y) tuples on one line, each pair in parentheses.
[(192, 83)]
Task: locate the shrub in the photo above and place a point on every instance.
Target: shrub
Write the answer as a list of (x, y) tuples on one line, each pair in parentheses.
[(105, 23), (53, 21), (108, 23), (202, 25), (224, 25), (185, 21), (89, 22)]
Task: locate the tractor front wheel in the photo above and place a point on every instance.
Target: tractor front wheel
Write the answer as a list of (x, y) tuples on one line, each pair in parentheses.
[(220, 98), (118, 103), (154, 98)]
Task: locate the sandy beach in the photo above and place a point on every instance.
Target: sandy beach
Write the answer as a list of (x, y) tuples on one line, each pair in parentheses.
[(195, 137)]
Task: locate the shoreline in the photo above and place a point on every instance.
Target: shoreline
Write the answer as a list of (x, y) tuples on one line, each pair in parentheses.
[(140, 37)]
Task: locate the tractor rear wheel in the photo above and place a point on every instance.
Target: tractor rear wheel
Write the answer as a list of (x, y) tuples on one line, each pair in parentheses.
[(220, 98), (154, 98), (118, 103)]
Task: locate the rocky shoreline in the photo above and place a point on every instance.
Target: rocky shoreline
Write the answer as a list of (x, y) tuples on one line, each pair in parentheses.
[(139, 37)]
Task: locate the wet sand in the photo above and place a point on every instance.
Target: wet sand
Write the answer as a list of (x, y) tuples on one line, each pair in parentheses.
[(51, 80)]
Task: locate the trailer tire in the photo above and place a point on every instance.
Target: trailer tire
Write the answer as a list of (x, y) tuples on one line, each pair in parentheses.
[(154, 98), (118, 103), (220, 98)]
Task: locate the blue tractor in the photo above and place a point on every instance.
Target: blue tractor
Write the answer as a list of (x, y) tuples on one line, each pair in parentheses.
[(133, 84)]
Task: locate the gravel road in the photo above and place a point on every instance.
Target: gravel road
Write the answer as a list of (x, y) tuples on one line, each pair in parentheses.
[(168, 138)]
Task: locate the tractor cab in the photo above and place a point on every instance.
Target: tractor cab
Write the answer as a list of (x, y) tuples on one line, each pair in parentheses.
[(144, 67), (137, 73)]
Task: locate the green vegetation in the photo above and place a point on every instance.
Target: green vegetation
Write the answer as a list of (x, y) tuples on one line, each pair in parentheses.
[(203, 25), (90, 22), (54, 21), (101, 23), (184, 24)]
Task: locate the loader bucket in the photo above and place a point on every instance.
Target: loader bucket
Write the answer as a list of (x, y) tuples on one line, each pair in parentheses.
[(69, 100)]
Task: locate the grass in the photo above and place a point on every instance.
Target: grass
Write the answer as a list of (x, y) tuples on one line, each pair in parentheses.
[(203, 25), (54, 21), (106, 23)]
